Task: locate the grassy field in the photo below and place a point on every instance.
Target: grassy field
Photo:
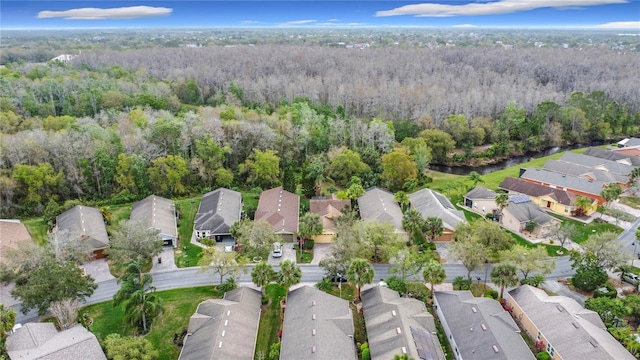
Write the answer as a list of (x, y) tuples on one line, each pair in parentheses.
[(179, 305), (634, 202), (585, 230), (38, 229), (270, 320), (189, 253)]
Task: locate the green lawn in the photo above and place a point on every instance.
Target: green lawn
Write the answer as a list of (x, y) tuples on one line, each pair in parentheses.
[(634, 202), (188, 209), (179, 305), (38, 229), (586, 230), (304, 257), (270, 320)]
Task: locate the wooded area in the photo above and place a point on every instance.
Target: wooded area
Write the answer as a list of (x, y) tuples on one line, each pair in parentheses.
[(114, 126)]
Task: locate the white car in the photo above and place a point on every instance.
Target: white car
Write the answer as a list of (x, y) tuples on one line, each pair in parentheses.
[(277, 250)]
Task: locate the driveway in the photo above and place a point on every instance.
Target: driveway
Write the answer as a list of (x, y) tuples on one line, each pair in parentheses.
[(164, 261), (98, 269), (287, 253), (561, 289), (320, 251)]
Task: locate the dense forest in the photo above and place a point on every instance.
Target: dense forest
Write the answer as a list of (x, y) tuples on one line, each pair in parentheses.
[(115, 126)]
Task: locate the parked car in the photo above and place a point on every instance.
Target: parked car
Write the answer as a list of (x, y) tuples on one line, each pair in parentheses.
[(631, 278), (277, 250), (336, 278)]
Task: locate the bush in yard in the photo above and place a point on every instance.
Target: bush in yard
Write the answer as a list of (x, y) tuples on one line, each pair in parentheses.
[(543, 356), (418, 291), (228, 285), (365, 351), (397, 284), (274, 351), (491, 294), (610, 292), (308, 244)]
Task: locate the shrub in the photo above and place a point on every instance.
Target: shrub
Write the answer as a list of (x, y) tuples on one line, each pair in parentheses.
[(274, 351), (364, 350), (228, 285), (397, 284), (418, 291), (460, 283), (491, 294), (534, 281), (308, 244), (543, 356), (610, 292)]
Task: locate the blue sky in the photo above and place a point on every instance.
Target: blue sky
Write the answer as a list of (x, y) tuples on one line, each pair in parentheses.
[(26, 14)]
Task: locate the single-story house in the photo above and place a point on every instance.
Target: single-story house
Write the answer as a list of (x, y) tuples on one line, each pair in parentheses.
[(572, 184), (281, 209), (619, 157), (224, 328), (41, 341), (430, 203), (566, 329), (630, 152), (398, 325), (587, 172), (86, 224), (158, 213), (481, 200), (12, 233), (556, 200), (318, 326), (380, 206), (597, 163), (521, 210), (629, 142), (479, 328), (328, 208), (218, 211)]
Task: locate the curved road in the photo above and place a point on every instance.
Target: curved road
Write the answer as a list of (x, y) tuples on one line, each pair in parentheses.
[(190, 277)]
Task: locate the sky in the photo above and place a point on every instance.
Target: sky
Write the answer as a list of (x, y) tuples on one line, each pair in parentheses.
[(54, 14)]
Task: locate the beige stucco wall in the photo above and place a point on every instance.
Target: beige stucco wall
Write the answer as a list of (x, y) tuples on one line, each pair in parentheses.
[(324, 238)]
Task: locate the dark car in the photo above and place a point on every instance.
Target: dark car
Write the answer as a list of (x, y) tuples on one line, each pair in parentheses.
[(336, 278)]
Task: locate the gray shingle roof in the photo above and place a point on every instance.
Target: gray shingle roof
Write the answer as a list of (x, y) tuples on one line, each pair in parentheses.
[(536, 190), (564, 167), (430, 203), (381, 206), (478, 324), (574, 332), (630, 142), (564, 181), (84, 222), (280, 208), (218, 210), (528, 211), (612, 155), (156, 212), (592, 161), (480, 192), (317, 326), (224, 328), (41, 341), (385, 312)]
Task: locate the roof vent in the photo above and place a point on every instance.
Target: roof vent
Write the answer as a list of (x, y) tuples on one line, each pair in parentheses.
[(313, 349), (393, 313), (404, 350), (495, 349), (220, 345), (575, 325), (398, 330), (313, 332), (473, 308), (560, 308), (228, 312), (593, 343), (313, 303), (483, 327), (313, 316), (226, 322), (223, 332)]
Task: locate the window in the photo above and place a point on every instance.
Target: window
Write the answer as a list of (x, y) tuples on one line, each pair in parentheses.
[(566, 209), (550, 349), (539, 335)]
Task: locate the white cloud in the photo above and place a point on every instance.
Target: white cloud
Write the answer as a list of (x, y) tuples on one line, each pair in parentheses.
[(620, 25), (130, 12), (490, 8), (464, 26), (296, 22), (250, 22)]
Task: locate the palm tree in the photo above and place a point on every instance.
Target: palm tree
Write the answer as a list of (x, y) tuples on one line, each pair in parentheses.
[(583, 204), (402, 198), (432, 227), (610, 193), (289, 274), (310, 225), (434, 273), (143, 305), (412, 221), (360, 272), (504, 275), (262, 274), (502, 200), (475, 178)]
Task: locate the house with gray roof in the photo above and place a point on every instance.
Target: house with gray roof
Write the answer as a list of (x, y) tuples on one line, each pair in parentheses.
[(41, 341), (159, 213), (317, 326), (629, 142), (397, 325), (613, 156), (597, 163), (224, 328), (380, 206), (430, 203), (587, 172), (566, 329), (85, 224), (481, 200), (521, 211), (572, 184), (281, 209), (478, 328), (218, 211)]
